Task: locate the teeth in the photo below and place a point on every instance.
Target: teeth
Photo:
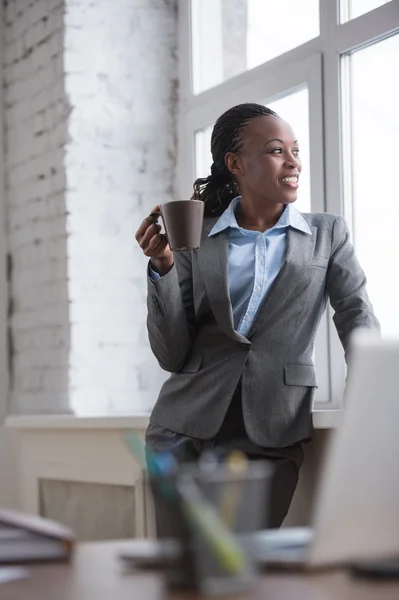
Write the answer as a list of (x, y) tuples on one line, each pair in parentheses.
[(290, 179)]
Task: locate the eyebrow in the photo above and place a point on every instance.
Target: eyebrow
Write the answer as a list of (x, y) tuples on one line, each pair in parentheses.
[(278, 140)]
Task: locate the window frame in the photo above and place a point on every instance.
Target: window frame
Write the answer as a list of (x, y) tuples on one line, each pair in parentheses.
[(319, 64)]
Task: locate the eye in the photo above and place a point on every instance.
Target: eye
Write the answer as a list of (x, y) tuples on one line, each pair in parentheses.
[(276, 151), (295, 152)]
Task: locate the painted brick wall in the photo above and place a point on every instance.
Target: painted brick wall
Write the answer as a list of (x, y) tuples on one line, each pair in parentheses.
[(35, 134), (90, 147), (120, 76)]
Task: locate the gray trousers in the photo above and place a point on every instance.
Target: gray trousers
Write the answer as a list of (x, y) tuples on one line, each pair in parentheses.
[(286, 462)]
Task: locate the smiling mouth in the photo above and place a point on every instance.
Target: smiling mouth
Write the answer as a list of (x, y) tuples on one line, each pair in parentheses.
[(290, 182), (290, 179)]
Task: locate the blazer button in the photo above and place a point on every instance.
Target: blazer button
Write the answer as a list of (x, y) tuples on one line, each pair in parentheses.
[(246, 347)]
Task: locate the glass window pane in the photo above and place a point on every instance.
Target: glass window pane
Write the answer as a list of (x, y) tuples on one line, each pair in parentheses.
[(203, 156), (374, 126), (294, 108), (350, 9), (231, 36)]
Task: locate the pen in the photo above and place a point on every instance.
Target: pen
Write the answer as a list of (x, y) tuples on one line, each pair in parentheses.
[(237, 464)]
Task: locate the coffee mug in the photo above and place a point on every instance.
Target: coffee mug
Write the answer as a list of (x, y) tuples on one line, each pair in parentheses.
[(183, 221)]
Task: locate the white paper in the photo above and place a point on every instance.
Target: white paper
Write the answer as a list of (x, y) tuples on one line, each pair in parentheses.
[(12, 573)]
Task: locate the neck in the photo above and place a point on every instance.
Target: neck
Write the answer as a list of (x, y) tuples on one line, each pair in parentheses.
[(258, 216)]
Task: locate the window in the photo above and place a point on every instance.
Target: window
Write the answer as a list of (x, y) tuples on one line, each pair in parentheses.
[(351, 9), (232, 36), (372, 197)]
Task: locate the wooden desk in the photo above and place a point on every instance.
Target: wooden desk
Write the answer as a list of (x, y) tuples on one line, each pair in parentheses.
[(95, 574)]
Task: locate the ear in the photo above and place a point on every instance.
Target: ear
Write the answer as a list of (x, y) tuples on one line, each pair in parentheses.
[(234, 163)]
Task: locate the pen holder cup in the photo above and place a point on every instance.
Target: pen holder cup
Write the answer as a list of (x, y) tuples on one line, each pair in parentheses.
[(213, 513)]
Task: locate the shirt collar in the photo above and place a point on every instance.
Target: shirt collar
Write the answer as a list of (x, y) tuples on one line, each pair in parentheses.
[(291, 217)]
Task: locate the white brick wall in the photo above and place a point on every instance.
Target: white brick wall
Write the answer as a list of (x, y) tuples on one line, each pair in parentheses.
[(120, 162), (90, 122), (35, 135), (8, 483)]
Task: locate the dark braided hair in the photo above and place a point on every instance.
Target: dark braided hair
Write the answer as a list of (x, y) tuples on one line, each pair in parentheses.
[(219, 188)]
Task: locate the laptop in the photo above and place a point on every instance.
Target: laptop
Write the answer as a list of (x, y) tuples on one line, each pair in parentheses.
[(356, 513)]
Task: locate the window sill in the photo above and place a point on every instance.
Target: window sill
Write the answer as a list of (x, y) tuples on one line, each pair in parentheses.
[(52, 422), (322, 419), (330, 418)]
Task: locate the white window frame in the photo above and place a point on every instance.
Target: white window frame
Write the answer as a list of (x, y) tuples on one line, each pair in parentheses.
[(317, 64)]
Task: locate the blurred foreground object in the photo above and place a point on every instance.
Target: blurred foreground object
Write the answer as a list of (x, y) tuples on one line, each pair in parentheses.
[(356, 515), (28, 538)]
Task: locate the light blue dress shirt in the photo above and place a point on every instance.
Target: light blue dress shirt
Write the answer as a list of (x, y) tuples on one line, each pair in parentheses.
[(254, 260)]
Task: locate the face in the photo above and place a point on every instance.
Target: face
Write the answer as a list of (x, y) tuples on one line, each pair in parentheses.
[(268, 165)]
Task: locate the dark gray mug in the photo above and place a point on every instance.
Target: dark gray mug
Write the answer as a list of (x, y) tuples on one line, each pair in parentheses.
[(183, 221)]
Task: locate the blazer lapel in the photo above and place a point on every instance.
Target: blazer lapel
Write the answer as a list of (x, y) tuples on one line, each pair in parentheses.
[(213, 263), (300, 248)]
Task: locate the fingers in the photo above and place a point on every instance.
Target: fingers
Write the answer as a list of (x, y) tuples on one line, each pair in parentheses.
[(149, 238), (152, 230), (156, 246), (148, 222), (152, 240)]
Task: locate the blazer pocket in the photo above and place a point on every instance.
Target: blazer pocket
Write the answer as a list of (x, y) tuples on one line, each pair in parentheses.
[(300, 375), (319, 261), (193, 364)]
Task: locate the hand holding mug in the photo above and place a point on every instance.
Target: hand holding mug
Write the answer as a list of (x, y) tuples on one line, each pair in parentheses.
[(183, 220), (154, 243)]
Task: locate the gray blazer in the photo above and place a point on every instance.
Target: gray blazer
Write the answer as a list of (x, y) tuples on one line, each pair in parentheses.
[(190, 327)]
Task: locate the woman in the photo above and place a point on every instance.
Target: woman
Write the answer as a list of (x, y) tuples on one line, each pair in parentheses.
[(235, 321)]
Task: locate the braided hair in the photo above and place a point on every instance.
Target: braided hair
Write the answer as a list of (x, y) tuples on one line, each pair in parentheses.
[(219, 188)]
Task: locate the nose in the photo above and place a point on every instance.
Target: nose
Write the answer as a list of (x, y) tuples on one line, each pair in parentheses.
[(293, 162)]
